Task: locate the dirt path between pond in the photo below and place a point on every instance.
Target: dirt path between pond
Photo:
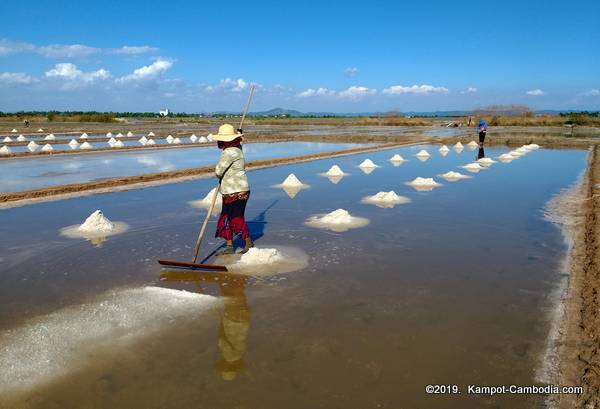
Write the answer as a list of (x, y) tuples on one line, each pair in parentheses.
[(12, 199), (579, 332)]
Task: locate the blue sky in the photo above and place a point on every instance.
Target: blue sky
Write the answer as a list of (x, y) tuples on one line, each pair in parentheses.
[(312, 55)]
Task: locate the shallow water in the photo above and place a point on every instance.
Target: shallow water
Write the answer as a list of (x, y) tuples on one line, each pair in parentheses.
[(38, 172), (453, 287)]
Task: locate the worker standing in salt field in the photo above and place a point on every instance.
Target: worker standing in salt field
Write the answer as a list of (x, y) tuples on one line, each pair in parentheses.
[(482, 129), (234, 187)]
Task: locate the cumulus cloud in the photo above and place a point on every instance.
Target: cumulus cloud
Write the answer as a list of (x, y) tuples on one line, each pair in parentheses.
[(15, 78), (319, 92), (11, 47), (356, 92), (592, 93), (147, 72), (415, 89), (74, 77), (535, 92), (228, 85), (351, 71)]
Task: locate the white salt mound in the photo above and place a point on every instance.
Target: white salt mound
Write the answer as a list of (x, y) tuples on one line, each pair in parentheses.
[(339, 216), (473, 167), (32, 146), (424, 182), (339, 220), (397, 158), (291, 180), (202, 139), (176, 140), (40, 130), (50, 137), (385, 199), (522, 150), (86, 145), (129, 133), (111, 141), (516, 154), (506, 157), (150, 142), (118, 144), (97, 223), (109, 135), (444, 148), (472, 144), (209, 137), (83, 136), (151, 133), (335, 170), (119, 135), (458, 145), (256, 256), (533, 146), (193, 138), (5, 150), (423, 153), (453, 176), (47, 148), (21, 138), (73, 142), (486, 161), (7, 139), (14, 131), (205, 203), (169, 139), (367, 163)]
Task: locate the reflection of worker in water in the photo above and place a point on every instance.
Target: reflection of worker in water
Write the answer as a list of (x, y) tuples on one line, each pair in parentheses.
[(481, 153), (235, 323), (482, 130)]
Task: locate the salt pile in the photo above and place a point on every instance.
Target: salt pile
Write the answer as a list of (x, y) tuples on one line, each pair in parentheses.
[(516, 154), (74, 143), (367, 163), (97, 222), (47, 148), (454, 176), (506, 158), (486, 161), (7, 139), (209, 137), (423, 154), (40, 130), (109, 135), (472, 145), (473, 167), (423, 184), (385, 200), (458, 145), (443, 149), (111, 141), (86, 145), (396, 158), (262, 262), (14, 131), (130, 134), (339, 221), (119, 135), (176, 141), (50, 137), (143, 140), (193, 138), (21, 138), (202, 139), (533, 146), (205, 203), (150, 142), (523, 150), (335, 170), (169, 139), (5, 150), (291, 180), (95, 226), (118, 144), (32, 146), (83, 136), (258, 256), (151, 133)]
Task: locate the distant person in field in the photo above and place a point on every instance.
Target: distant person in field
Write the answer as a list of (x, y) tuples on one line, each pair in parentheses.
[(482, 129), (231, 171)]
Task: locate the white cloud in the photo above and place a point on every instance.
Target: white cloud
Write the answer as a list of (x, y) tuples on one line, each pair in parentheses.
[(415, 89), (133, 50), (470, 90), (67, 50), (535, 92), (356, 92), (351, 71), (12, 47), (148, 72), (74, 77), (229, 85), (592, 93), (14, 78), (319, 92)]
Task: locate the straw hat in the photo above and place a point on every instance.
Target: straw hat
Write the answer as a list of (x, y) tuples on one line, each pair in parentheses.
[(227, 133)]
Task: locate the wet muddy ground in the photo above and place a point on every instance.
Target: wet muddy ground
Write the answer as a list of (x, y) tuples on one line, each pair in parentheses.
[(452, 288)]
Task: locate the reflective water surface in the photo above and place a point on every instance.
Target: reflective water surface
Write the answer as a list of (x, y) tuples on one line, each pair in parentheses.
[(453, 287)]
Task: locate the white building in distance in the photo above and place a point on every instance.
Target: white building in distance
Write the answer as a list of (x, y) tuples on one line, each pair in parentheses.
[(164, 112)]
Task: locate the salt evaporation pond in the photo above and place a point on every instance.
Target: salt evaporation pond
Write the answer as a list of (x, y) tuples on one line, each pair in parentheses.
[(453, 287), (37, 172)]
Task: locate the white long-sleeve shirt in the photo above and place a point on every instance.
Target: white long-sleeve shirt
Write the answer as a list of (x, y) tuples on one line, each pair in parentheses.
[(234, 179)]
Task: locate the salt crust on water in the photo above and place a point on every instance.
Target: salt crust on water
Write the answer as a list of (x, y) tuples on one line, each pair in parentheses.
[(385, 199), (423, 153), (397, 158), (367, 163), (205, 203), (454, 176), (49, 346), (5, 150), (339, 221), (47, 148)]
